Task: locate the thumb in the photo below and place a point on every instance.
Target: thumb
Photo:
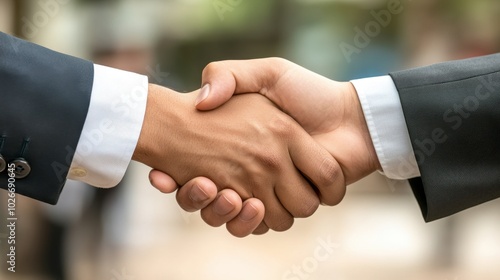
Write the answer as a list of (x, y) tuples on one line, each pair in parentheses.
[(219, 86), (223, 79)]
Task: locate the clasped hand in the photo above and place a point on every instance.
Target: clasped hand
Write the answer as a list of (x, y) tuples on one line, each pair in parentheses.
[(247, 164)]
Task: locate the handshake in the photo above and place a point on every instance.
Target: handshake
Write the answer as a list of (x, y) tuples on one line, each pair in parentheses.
[(287, 140)]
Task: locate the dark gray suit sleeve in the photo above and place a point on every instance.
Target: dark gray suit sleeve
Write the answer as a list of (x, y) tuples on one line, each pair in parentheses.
[(44, 96), (452, 111)]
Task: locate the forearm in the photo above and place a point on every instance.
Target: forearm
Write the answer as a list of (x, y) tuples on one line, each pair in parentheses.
[(452, 114), (83, 120), (45, 97), (158, 116)]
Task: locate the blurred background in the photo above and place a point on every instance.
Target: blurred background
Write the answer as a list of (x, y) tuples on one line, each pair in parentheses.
[(133, 232)]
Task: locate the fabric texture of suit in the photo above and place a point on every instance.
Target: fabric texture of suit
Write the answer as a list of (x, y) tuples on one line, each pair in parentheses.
[(44, 96), (453, 117)]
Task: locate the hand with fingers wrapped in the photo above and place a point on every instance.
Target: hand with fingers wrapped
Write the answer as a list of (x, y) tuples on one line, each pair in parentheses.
[(328, 110), (247, 146)]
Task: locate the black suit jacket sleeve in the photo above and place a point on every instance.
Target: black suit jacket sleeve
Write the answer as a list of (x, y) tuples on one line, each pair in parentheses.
[(452, 112), (44, 96)]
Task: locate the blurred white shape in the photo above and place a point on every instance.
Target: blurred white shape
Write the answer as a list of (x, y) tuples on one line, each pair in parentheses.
[(479, 237), (388, 234)]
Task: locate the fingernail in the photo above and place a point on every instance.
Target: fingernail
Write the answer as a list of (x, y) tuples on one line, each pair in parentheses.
[(223, 206), (205, 91), (248, 213), (197, 194)]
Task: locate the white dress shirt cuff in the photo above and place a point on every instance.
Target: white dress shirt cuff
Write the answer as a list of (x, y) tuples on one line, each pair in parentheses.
[(112, 127), (386, 122)]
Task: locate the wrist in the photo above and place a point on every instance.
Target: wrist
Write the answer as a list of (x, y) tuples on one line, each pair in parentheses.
[(146, 145), (361, 124)]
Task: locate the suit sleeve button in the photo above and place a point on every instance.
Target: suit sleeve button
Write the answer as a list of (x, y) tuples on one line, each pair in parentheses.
[(22, 168), (78, 172), (3, 164)]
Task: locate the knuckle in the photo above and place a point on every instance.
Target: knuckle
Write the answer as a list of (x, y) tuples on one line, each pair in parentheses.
[(330, 172), (211, 68), (280, 62), (279, 66), (309, 208), (222, 177), (270, 161), (332, 179), (281, 125), (263, 159)]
